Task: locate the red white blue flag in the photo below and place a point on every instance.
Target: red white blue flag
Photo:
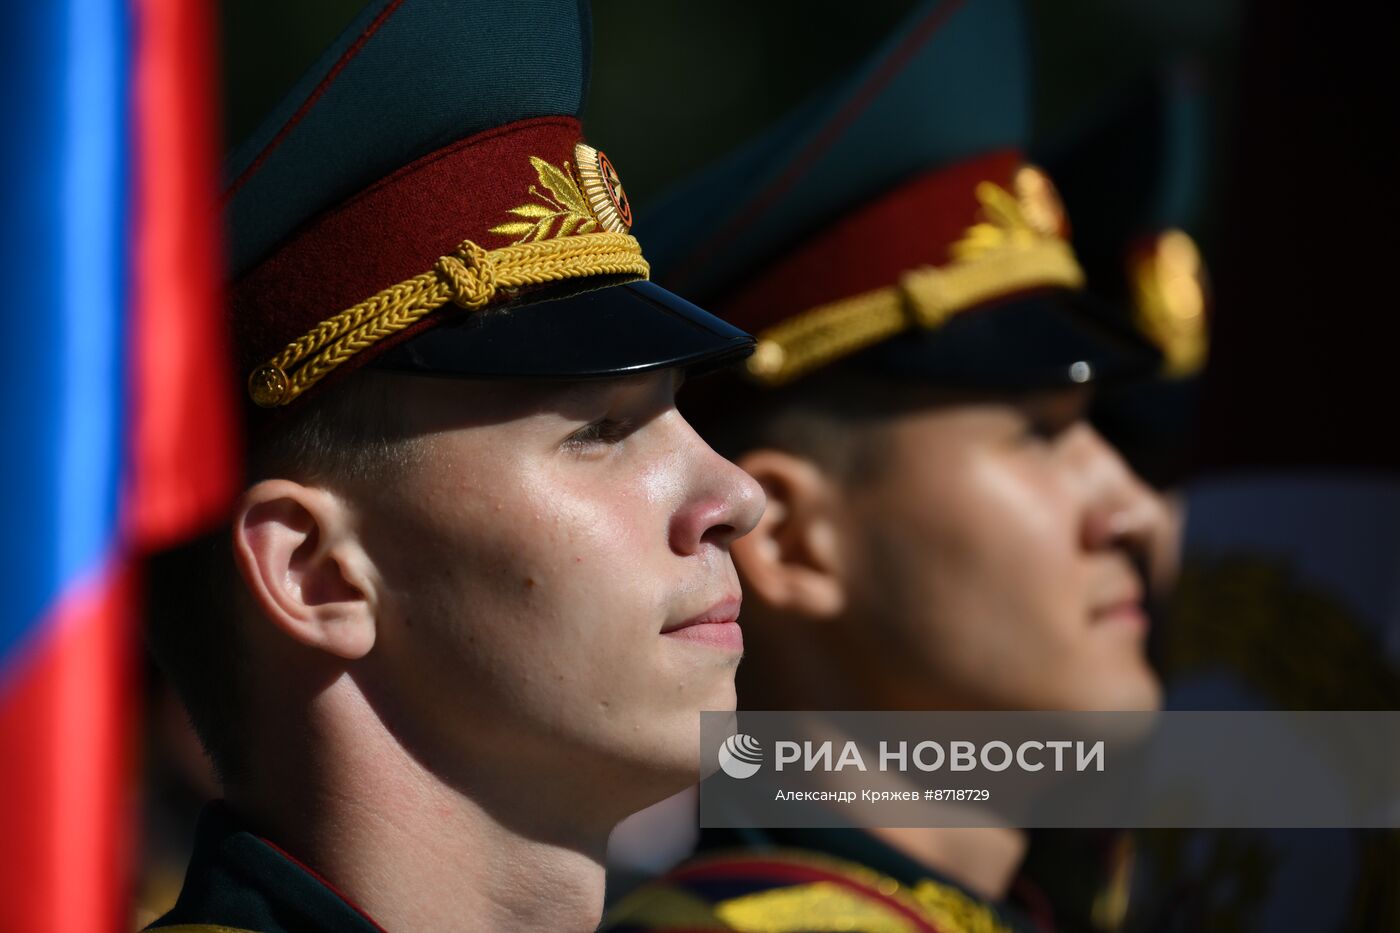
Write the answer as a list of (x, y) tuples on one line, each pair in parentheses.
[(116, 414)]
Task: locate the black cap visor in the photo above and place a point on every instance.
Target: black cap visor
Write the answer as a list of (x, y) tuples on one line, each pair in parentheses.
[(612, 331), (1043, 340)]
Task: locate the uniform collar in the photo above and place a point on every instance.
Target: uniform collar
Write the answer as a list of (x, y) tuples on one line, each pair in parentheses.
[(860, 848), (241, 880)]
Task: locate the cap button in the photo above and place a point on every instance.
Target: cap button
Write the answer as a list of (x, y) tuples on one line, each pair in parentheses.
[(767, 359), (267, 386)]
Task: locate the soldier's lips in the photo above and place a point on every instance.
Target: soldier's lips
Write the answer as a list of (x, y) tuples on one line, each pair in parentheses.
[(1127, 612), (717, 627)]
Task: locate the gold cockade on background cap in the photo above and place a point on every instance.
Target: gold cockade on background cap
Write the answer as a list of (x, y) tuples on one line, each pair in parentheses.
[(1170, 295)]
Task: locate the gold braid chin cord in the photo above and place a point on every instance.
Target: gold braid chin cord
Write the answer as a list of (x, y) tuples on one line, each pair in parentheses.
[(469, 278)]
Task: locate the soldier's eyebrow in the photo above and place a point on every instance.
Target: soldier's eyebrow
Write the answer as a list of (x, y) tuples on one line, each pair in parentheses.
[(580, 398)]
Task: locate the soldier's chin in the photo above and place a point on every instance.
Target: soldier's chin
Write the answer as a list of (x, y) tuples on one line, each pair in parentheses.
[(668, 770), (684, 763), (1137, 689), (725, 724)]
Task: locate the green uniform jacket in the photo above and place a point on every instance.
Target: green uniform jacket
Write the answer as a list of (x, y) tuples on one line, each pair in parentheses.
[(238, 881), (808, 881)]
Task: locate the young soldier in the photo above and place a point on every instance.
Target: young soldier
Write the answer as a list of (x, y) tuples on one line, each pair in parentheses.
[(483, 582), (944, 529)]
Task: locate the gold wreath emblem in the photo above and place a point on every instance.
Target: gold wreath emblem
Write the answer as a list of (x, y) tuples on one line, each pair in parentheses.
[(1040, 202), (1027, 215), (602, 188), (559, 208)]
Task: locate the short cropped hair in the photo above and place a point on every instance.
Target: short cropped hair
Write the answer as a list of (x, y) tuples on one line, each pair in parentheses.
[(347, 437)]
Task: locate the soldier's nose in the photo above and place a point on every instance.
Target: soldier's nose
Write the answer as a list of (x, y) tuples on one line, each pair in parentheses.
[(728, 506)]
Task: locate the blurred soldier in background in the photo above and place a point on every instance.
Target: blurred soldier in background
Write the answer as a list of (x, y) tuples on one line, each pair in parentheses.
[(479, 584), (1132, 169), (1288, 595), (945, 529)]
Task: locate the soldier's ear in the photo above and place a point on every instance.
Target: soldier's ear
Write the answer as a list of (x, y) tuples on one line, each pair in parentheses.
[(304, 567), (792, 559)]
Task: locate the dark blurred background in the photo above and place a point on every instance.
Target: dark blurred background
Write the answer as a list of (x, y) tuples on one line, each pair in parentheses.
[(677, 83)]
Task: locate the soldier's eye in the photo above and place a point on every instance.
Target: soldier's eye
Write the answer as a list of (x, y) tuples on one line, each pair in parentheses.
[(1047, 415), (1042, 429), (602, 431)]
